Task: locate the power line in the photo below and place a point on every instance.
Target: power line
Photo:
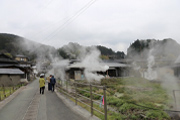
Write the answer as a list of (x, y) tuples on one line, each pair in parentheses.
[(40, 11), (70, 20)]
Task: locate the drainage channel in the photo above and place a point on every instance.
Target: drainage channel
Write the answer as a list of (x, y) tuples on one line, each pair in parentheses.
[(32, 111)]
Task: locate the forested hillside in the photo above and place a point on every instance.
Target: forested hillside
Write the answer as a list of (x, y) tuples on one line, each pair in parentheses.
[(14, 45), (74, 50), (162, 50)]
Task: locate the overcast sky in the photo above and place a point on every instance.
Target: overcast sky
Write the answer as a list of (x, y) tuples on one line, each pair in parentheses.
[(111, 23)]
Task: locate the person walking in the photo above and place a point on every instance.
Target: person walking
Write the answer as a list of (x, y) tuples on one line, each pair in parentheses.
[(49, 84), (42, 84), (53, 82)]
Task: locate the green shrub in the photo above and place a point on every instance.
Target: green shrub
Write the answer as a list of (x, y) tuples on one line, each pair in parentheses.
[(87, 94), (114, 101), (126, 107), (120, 89), (156, 114), (96, 97), (116, 116), (112, 81), (81, 92), (94, 89)]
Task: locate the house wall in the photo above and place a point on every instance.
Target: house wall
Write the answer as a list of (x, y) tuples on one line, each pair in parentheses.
[(112, 73), (118, 72), (9, 80), (16, 79), (75, 73)]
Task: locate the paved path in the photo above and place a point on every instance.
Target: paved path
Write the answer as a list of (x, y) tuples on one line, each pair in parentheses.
[(30, 105)]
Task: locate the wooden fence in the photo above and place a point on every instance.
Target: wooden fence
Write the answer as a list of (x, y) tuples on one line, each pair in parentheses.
[(7, 91), (73, 90)]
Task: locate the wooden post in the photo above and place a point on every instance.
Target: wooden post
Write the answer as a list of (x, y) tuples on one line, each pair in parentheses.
[(105, 104), (75, 93), (10, 90), (174, 99), (91, 100), (66, 86), (4, 91)]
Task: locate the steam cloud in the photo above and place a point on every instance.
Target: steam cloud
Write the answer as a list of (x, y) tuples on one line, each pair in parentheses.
[(89, 57), (92, 63), (150, 74), (159, 58)]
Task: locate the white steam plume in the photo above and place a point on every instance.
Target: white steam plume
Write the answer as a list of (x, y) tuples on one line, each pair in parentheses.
[(92, 64), (150, 74), (160, 56)]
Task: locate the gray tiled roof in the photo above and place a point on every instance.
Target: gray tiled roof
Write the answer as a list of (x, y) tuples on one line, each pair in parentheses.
[(10, 71)]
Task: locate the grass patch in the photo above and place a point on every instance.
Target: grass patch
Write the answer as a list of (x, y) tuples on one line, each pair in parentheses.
[(137, 92), (130, 99)]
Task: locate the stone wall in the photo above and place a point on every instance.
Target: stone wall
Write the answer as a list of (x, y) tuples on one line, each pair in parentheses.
[(9, 80)]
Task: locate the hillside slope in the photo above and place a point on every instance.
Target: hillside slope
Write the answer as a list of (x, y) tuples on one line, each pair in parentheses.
[(15, 45), (162, 50)]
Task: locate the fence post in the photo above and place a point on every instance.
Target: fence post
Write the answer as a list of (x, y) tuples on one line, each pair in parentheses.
[(76, 93), (10, 90), (105, 104), (4, 92), (66, 85), (174, 98), (60, 82), (91, 100)]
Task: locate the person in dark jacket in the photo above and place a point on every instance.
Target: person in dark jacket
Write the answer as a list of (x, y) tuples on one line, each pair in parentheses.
[(53, 82)]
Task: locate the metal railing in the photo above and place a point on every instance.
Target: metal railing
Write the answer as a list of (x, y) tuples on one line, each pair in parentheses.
[(74, 89)]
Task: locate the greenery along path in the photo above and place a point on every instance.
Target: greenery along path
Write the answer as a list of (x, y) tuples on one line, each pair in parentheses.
[(136, 99), (7, 91)]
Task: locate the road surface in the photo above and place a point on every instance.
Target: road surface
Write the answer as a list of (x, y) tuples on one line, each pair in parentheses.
[(29, 104)]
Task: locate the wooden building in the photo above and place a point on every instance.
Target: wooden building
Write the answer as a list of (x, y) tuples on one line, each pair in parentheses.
[(10, 76), (13, 71), (25, 65)]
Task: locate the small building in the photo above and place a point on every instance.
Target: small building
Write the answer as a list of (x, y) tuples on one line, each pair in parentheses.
[(76, 70), (10, 72), (13, 71), (176, 68), (117, 69)]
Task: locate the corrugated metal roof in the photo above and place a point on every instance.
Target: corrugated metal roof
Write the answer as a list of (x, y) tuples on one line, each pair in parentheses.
[(113, 65), (11, 71), (76, 65), (8, 65), (20, 56)]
